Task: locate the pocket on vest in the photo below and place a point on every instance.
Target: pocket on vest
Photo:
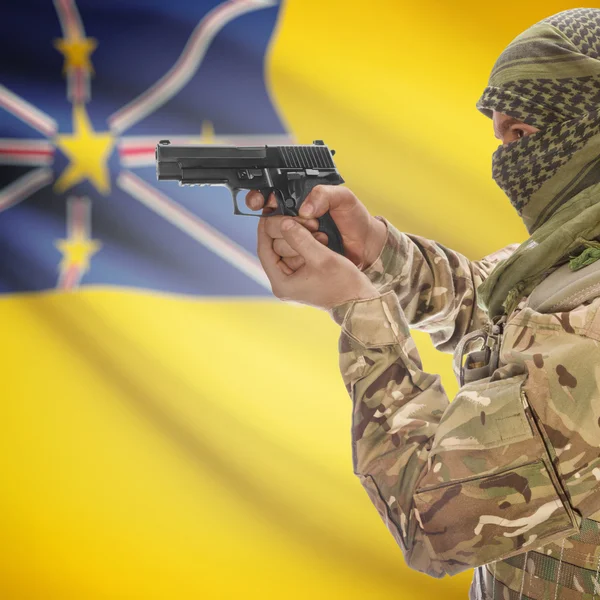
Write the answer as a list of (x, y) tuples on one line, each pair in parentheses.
[(478, 520), (490, 490)]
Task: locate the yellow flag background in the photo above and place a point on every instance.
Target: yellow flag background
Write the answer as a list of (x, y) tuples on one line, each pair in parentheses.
[(156, 447)]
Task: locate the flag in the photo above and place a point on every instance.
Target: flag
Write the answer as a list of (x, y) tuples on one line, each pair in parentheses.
[(170, 429)]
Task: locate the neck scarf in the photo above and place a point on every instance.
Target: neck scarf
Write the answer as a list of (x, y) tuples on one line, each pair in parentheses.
[(548, 77)]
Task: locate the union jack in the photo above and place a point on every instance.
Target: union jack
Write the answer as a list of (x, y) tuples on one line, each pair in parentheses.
[(80, 168)]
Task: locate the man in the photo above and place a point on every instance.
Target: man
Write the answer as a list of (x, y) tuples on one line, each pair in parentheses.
[(504, 478)]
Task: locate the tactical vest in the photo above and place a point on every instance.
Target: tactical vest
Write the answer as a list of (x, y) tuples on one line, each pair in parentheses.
[(565, 570)]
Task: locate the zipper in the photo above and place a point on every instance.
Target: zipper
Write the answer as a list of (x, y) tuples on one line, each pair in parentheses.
[(533, 422)]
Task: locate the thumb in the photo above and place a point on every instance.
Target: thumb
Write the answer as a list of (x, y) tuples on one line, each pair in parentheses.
[(302, 240), (326, 198)]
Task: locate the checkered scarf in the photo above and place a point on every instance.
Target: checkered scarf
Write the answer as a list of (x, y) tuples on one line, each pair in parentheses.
[(548, 77)]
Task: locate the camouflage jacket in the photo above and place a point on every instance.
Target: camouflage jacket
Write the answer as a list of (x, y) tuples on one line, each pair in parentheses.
[(512, 464)]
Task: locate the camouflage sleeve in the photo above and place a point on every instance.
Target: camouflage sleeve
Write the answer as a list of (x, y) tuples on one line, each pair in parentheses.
[(458, 484), (435, 286)]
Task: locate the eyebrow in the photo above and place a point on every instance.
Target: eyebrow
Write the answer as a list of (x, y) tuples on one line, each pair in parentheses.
[(505, 125)]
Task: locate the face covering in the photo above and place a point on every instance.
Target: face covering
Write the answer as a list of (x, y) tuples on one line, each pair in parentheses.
[(548, 77), (535, 173)]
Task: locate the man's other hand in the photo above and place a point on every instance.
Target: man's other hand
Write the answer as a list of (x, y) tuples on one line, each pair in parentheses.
[(363, 236), (325, 279)]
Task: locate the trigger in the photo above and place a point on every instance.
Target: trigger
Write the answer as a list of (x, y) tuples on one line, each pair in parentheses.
[(266, 192), (274, 208)]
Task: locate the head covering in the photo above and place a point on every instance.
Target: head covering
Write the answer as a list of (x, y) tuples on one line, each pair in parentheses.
[(548, 74), (547, 77)]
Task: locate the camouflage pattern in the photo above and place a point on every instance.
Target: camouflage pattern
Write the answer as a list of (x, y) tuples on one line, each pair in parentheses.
[(568, 570), (537, 573), (438, 301), (506, 472)]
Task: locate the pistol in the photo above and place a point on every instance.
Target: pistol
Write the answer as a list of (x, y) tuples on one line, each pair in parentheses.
[(289, 172)]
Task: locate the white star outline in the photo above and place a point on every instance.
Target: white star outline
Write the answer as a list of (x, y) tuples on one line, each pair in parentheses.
[(134, 151)]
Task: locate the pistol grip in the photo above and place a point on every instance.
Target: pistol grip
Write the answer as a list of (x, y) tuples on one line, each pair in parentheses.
[(326, 223)]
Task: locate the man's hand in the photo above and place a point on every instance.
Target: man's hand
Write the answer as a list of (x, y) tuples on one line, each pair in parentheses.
[(363, 235), (325, 278)]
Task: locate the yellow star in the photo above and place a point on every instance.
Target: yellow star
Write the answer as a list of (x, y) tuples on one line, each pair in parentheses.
[(76, 51), (77, 252), (88, 153), (207, 135)]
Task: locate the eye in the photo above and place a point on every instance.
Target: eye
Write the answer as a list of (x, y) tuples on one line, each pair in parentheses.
[(519, 132)]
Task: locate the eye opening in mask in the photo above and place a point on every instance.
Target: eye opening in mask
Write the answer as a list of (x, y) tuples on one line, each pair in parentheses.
[(523, 140)]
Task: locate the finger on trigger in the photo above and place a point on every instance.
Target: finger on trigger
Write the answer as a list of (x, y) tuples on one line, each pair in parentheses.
[(254, 200), (272, 202)]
